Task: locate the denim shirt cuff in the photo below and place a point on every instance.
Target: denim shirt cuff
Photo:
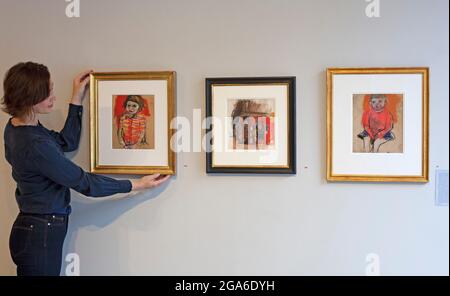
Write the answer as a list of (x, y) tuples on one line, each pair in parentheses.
[(125, 186), (75, 110)]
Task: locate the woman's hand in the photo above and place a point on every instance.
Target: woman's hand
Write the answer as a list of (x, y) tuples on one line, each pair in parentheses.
[(80, 83), (149, 181)]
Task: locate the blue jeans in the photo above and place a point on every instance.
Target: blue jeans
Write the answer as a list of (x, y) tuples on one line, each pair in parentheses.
[(36, 244)]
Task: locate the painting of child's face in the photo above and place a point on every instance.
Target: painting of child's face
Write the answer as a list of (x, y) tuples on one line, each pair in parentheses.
[(132, 107), (378, 103)]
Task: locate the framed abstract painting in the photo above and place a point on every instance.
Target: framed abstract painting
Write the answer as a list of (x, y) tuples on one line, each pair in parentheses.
[(377, 124), (130, 122), (250, 125)]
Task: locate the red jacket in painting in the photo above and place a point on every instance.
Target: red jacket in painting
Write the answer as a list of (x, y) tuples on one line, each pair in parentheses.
[(133, 128), (377, 124)]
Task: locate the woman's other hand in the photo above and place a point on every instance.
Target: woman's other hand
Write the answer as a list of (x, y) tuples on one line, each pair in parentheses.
[(149, 181), (80, 83)]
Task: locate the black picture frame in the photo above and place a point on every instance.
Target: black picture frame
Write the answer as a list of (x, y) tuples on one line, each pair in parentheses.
[(290, 169)]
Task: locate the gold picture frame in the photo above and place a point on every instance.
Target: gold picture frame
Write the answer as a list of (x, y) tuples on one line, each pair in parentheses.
[(106, 89), (344, 162)]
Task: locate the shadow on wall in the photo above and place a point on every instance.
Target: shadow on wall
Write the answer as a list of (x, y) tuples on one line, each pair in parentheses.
[(95, 214)]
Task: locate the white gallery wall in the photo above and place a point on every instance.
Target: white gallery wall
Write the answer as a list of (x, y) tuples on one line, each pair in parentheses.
[(234, 224)]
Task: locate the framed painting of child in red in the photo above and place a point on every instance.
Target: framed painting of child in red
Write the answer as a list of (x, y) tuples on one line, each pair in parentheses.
[(377, 124), (131, 113)]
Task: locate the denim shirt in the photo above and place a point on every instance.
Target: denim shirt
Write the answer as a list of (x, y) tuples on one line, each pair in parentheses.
[(44, 175)]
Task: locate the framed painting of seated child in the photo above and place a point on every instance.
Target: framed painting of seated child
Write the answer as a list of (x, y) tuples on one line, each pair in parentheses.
[(131, 114), (377, 124)]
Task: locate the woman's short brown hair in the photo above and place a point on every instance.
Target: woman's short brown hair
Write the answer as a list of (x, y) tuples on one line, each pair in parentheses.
[(25, 85)]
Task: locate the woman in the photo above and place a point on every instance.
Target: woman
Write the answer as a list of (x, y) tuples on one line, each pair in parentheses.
[(42, 172)]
